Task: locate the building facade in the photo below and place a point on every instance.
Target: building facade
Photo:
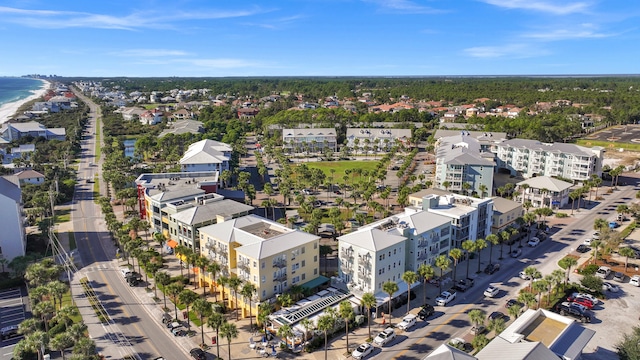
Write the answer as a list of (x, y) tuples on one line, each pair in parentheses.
[(373, 140), (544, 191), (505, 213), (13, 242), (206, 155), (315, 140)]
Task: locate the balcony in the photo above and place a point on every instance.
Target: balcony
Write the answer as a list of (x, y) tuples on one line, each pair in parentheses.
[(244, 266), (423, 256), (423, 243), (281, 277), (435, 251), (280, 263), (347, 254)]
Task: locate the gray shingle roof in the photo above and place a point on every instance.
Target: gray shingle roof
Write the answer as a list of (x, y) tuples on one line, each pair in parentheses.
[(201, 213), (206, 152), (546, 182), (554, 147), (9, 187), (372, 239), (463, 150)]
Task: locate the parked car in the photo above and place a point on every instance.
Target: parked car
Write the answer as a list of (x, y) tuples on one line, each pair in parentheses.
[(478, 329), (588, 241), (491, 291), (385, 337), (533, 242), (460, 344), (582, 248), (613, 224), (524, 276), (512, 302), (516, 253), (635, 280), (596, 235), (491, 268), (8, 332), (198, 354), (607, 286), (445, 298), (497, 315), (618, 276), (582, 301), (603, 272), (167, 318), (408, 322), (463, 284), (593, 299), (574, 310), (426, 311), (362, 351)]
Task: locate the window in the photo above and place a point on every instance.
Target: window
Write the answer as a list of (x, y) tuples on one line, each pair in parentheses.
[(275, 288), (263, 264), (394, 251), (394, 265), (389, 266), (394, 278), (255, 278), (264, 279), (304, 276), (264, 293), (303, 263), (389, 253), (315, 245), (315, 258), (302, 251), (315, 271), (255, 264)]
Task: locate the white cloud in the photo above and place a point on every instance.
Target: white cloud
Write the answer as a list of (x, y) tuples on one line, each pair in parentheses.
[(515, 51), (50, 19), (405, 7), (553, 7), (562, 34), (277, 24), (149, 52)]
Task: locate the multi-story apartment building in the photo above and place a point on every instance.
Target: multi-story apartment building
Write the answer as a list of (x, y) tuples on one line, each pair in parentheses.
[(375, 140), (544, 191), (505, 213), (264, 253), (157, 191), (463, 166), (314, 140), (206, 155), (384, 250), (531, 158), (13, 242), (470, 217)]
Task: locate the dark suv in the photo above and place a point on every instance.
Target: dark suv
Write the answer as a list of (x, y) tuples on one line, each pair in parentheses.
[(575, 311), (426, 311), (491, 268), (9, 332), (198, 354)]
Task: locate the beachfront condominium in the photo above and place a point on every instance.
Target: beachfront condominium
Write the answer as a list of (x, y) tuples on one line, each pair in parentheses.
[(262, 252), (382, 251), (530, 158), (314, 140), (464, 166), (13, 241)]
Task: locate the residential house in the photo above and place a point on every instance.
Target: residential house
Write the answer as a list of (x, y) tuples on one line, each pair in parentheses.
[(264, 253), (23, 151), (15, 131), (314, 140), (533, 158), (206, 155), (183, 114), (30, 177), (382, 251), (463, 166), (505, 213), (183, 127), (544, 191), (151, 117), (13, 242), (247, 113), (132, 113)]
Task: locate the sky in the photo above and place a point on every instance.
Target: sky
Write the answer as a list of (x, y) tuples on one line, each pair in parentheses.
[(202, 38)]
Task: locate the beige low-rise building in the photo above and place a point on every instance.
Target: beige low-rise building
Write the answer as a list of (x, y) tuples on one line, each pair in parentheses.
[(505, 213), (264, 253)]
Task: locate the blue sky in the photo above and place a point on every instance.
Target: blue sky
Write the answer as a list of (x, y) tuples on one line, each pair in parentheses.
[(319, 37)]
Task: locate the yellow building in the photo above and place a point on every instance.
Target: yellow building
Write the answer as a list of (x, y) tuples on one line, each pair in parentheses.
[(267, 254)]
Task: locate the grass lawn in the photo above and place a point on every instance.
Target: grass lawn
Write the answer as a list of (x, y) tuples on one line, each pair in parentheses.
[(341, 166), (63, 216), (72, 240), (609, 144), (67, 301)]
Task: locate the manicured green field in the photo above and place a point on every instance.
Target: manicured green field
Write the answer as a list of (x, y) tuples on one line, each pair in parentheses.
[(609, 144), (341, 166)]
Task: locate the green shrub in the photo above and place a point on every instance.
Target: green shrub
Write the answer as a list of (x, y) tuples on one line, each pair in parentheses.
[(589, 269), (591, 282), (561, 215)]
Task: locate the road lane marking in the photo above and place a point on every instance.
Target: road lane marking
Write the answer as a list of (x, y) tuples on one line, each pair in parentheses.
[(437, 328)]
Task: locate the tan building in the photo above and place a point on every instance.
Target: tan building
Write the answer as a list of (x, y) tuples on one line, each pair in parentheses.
[(505, 213), (264, 253)]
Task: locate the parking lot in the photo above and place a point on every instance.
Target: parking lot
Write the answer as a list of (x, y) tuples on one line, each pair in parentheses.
[(12, 312)]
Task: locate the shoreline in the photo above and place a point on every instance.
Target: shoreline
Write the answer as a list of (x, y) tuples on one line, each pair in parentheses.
[(9, 109)]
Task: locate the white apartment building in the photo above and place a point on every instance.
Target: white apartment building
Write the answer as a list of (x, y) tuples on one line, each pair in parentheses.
[(13, 242), (384, 250), (309, 140), (376, 140), (533, 158), (206, 155)]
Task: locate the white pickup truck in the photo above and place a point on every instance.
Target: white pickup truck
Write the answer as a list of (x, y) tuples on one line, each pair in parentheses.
[(445, 298)]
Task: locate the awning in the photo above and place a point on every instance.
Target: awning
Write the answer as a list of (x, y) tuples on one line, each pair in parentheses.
[(315, 282), (172, 243)]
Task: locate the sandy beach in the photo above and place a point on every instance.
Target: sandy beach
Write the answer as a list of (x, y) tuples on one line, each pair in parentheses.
[(9, 109)]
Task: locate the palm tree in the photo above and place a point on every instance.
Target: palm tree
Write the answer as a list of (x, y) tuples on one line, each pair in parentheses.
[(347, 314), (567, 262), (36, 342), (496, 325), (215, 321), (596, 245), (162, 278), (286, 332), (477, 316), (492, 239), (234, 284), (456, 255), (368, 301), (539, 286), (409, 277), (442, 262), (514, 310), (307, 324), (326, 323), (264, 310), (426, 272), (626, 252), (528, 218), (202, 263), (505, 236), (57, 289), (214, 270), (76, 330), (573, 196), (187, 297), (527, 298), (533, 274), (248, 291), (390, 288), (558, 277), (44, 310), (223, 281), (480, 244), (229, 331), (60, 342), (469, 246), (173, 290), (203, 308), (65, 315)]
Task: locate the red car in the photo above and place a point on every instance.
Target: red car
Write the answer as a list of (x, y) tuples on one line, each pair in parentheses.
[(582, 301)]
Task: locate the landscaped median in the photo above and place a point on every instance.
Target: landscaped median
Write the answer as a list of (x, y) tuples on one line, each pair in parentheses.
[(90, 294)]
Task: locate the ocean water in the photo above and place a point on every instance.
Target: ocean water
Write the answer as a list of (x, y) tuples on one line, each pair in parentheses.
[(15, 89)]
